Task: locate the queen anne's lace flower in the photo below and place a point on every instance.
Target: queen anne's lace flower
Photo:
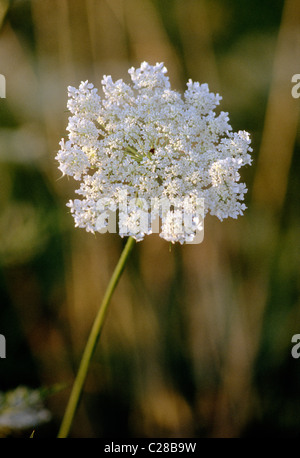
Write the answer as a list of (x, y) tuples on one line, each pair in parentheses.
[(22, 408), (143, 143)]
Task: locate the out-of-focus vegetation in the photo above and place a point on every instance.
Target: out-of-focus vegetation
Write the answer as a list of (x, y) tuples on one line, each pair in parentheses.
[(198, 340)]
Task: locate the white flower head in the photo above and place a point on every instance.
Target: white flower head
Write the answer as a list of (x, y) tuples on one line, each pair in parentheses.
[(143, 142)]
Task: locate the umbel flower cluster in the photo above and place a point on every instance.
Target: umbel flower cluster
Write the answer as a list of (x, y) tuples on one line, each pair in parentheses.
[(145, 144)]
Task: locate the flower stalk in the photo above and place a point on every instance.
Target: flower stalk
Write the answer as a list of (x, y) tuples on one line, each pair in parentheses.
[(92, 342)]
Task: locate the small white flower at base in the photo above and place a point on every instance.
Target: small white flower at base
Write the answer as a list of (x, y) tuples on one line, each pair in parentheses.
[(148, 142), (22, 408)]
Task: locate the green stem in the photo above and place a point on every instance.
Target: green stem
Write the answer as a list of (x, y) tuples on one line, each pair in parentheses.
[(92, 343)]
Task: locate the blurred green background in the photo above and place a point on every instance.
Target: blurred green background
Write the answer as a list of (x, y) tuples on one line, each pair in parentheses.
[(197, 342)]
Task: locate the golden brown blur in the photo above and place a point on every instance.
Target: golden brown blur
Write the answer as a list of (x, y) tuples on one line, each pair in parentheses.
[(197, 342)]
